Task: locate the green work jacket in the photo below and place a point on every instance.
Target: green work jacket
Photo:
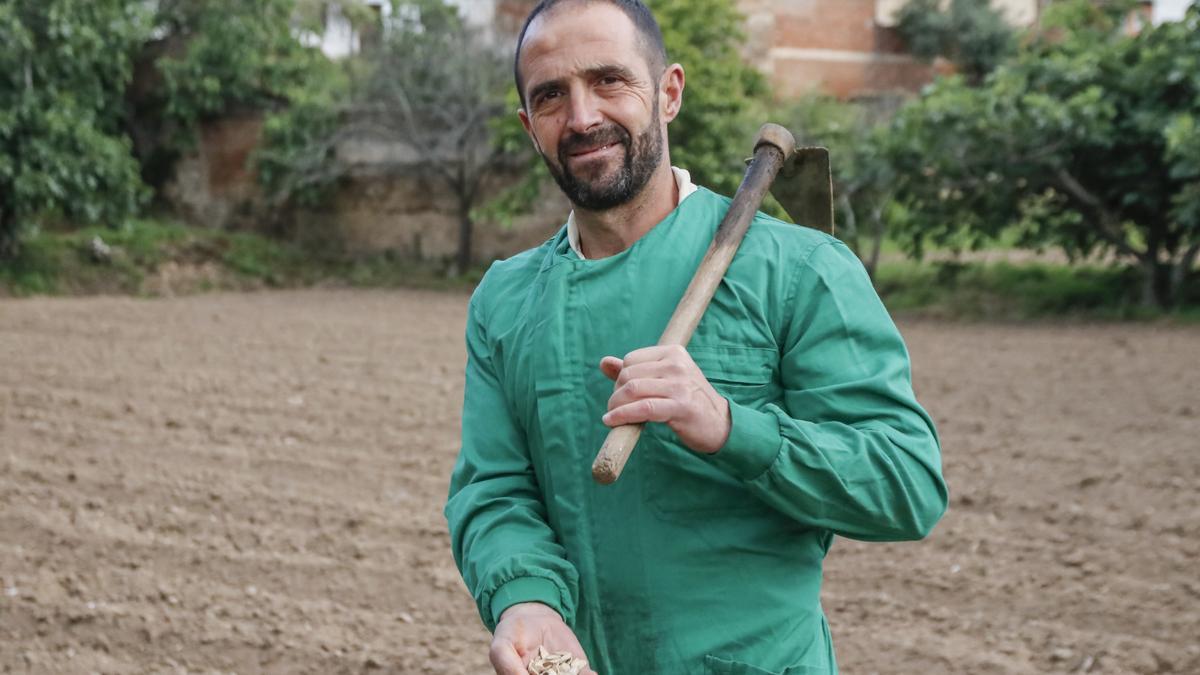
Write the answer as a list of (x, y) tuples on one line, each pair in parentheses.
[(689, 563)]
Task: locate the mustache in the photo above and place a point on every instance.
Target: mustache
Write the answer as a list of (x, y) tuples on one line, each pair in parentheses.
[(602, 136)]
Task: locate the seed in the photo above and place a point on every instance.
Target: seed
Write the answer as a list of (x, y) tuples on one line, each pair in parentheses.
[(556, 663)]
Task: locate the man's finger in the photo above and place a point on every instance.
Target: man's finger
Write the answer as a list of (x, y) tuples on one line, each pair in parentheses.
[(643, 410), (648, 370), (655, 353), (505, 659), (611, 367), (641, 388)]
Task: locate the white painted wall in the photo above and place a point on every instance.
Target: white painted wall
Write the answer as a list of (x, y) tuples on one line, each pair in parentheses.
[(1170, 10), (478, 13), (340, 39)]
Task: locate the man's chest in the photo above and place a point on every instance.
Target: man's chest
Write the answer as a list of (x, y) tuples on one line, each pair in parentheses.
[(550, 350)]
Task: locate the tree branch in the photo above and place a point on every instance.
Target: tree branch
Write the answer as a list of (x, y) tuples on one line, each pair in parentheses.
[(1109, 223)]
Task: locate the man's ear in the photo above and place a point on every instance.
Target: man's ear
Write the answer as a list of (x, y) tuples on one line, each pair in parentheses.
[(671, 86), (529, 129)]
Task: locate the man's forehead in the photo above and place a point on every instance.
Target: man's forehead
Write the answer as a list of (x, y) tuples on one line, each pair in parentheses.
[(603, 15), (578, 36)]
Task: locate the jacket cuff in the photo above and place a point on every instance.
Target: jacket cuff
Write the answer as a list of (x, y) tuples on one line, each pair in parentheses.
[(525, 589), (753, 443)]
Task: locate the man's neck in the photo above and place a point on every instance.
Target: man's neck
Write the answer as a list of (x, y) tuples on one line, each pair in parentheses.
[(606, 233)]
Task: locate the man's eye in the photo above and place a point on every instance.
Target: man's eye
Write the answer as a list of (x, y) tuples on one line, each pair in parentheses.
[(546, 97), (610, 79)]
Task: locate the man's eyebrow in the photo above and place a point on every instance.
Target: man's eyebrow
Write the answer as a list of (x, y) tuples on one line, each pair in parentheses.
[(620, 71), (593, 73), (542, 87)]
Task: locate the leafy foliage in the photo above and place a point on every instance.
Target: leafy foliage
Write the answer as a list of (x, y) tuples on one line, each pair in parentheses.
[(969, 33), (862, 174), (206, 59), (53, 262), (724, 101), (297, 161), (237, 55), (1084, 141), (62, 70), (1006, 291)]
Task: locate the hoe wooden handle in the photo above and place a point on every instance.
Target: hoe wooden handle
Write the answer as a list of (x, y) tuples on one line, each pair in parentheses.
[(772, 148)]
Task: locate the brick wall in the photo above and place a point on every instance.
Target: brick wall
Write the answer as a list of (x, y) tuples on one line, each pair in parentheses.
[(848, 48)]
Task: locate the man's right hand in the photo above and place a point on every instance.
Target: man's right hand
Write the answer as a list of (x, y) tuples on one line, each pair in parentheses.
[(522, 628)]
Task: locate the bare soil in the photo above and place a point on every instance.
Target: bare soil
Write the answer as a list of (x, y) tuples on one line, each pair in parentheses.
[(253, 483)]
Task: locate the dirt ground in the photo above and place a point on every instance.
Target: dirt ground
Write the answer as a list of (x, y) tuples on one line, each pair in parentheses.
[(253, 483)]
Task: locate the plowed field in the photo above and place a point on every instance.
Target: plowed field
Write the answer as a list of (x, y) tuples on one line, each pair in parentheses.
[(253, 483)]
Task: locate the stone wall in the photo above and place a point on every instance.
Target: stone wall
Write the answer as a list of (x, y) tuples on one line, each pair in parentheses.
[(214, 186), (414, 216), (410, 214)]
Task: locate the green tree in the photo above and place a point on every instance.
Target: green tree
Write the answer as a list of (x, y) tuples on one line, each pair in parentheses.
[(1085, 141), (969, 33), (205, 59), (63, 67), (297, 161), (863, 177), (725, 100), (237, 55)]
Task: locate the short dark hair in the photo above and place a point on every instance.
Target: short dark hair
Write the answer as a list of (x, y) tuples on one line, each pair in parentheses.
[(643, 20)]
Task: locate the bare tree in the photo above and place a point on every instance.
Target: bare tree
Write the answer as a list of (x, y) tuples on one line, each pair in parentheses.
[(434, 84), (431, 86)]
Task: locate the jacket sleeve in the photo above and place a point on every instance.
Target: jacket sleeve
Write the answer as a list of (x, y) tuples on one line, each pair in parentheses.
[(847, 449), (504, 548)]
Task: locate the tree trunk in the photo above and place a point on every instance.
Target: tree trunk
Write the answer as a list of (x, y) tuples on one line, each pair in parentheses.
[(1181, 270), (465, 234), (850, 218), (876, 241), (9, 243), (1156, 272), (1158, 289), (849, 232)]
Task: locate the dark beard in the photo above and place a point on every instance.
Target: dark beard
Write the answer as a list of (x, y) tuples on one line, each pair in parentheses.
[(642, 156)]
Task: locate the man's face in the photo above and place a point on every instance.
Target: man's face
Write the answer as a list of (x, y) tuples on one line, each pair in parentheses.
[(592, 104)]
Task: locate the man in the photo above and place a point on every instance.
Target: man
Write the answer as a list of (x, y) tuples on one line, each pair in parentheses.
[(789, 418)]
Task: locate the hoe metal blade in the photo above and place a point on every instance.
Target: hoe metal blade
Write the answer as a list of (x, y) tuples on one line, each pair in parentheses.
[(804, 187)]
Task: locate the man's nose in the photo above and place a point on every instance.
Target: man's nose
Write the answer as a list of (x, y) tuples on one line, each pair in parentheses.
[(584, 112)]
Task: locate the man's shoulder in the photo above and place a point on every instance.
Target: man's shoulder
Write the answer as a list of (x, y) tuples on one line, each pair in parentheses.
[(778, 240), (505, 278)]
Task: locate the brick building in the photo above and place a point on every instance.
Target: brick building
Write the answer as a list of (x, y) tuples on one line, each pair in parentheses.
[(848, 48)]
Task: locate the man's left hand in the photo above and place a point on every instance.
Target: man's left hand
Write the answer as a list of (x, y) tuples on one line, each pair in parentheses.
[(664, 384)]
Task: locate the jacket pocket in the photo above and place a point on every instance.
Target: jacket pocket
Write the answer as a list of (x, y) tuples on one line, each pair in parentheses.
[(715, 665), (744, 374), (687, 485)]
